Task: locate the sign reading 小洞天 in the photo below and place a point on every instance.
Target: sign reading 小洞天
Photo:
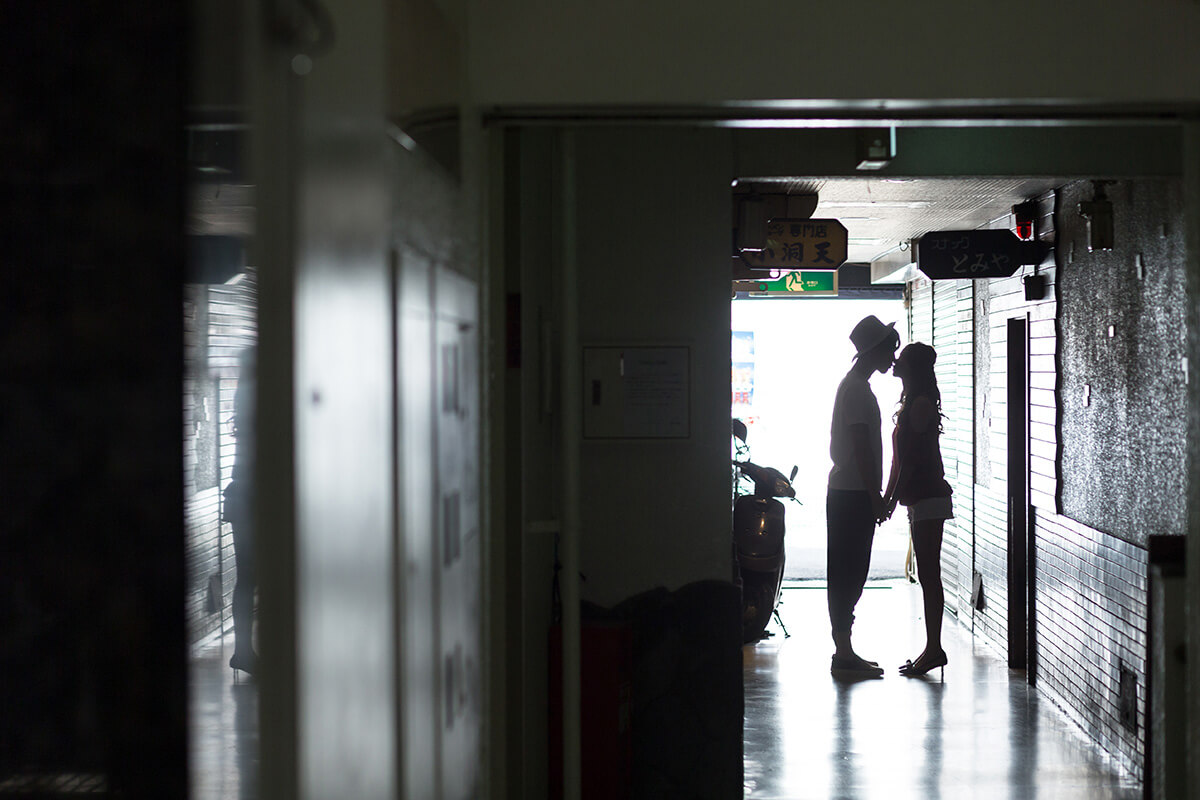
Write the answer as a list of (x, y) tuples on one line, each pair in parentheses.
[(801, 244), (949, 255), (792, 283)]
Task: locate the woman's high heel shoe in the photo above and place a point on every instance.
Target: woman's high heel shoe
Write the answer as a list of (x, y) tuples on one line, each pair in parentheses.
[(916, 670), (245, 663)]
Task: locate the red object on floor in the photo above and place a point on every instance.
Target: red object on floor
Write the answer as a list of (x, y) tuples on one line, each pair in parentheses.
[(606, 709)]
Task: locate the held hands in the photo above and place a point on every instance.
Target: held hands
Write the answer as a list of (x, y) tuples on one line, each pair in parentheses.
[(883, 508), (878, 507)]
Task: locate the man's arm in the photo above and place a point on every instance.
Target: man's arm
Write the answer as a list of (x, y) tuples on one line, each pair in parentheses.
[(868, 470)]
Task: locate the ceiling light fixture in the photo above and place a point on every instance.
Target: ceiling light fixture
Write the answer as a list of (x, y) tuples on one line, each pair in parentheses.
[(876, 148), (874, 204)]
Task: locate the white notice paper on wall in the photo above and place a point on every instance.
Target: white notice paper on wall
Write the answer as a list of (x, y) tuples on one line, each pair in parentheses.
[(636, 392), (656, 392)]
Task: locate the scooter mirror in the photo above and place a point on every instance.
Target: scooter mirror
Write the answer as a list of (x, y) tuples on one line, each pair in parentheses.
[(795, 469), (739, 430)]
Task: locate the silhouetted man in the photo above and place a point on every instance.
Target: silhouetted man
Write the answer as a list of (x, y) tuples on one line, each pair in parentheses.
[(854, 504)]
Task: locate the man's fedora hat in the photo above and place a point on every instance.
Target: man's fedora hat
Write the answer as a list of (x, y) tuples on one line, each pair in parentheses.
[(870, 332)]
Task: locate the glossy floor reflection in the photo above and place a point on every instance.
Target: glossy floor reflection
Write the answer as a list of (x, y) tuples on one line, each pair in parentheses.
[(223, 722), (980, 733)]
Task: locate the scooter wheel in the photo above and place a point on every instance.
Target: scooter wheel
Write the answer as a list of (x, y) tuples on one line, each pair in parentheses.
[(758, 602)]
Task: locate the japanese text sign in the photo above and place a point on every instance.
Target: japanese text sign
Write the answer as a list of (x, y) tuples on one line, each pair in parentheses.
[(800, 244), (949, 255)]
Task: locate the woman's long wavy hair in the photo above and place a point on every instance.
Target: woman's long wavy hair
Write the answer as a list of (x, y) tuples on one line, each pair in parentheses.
[(918, 379)]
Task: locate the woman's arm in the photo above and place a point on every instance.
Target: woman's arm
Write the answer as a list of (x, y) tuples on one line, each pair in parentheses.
[(889, 496)]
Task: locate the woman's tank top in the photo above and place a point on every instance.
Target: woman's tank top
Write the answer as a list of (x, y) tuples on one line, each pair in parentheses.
[(923, 459)]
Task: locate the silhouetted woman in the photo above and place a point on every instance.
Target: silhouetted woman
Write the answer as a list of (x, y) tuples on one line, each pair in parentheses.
[(239, 513), (918, 481)]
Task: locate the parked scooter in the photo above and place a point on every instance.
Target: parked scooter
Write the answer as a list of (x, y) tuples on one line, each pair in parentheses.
[(758, 530)]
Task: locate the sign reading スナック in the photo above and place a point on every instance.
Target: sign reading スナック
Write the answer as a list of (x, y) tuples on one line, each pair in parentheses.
[(948, 255), (801, 244)]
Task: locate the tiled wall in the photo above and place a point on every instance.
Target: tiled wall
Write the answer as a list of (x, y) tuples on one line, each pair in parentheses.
[(1089, 606), (937, 319), (218, 323), (1091, 618), (1123, 375)]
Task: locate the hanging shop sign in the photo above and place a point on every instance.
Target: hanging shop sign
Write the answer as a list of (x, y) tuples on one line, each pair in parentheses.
[(816, 283), (800, 244), (954, 255)]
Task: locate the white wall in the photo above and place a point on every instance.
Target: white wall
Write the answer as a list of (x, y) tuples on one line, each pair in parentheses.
[(652, 248), (370, 536)]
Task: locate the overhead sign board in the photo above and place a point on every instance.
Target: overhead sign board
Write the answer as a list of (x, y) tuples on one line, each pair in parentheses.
[(814, 244), (952, 255), (814, 283)]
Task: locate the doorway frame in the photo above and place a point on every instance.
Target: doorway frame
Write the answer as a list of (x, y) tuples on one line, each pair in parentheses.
[(1001, 145), (1020, 572)]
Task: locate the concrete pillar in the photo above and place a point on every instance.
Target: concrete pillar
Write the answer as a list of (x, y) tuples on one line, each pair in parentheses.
[(1191, 177)]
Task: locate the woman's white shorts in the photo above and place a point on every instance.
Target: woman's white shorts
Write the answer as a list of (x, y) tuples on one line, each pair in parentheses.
[(931, 508)]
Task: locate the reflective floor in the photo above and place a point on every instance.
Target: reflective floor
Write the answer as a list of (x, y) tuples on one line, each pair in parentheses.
[(980, 733), (223, 717)]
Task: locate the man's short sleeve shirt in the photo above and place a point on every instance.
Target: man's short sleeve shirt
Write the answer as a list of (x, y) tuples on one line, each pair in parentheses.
[(854, 404)]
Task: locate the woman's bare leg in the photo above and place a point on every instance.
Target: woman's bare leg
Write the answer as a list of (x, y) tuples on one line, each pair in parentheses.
[(927, 543)]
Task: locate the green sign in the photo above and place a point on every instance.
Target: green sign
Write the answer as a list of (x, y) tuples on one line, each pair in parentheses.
[(811, 283)]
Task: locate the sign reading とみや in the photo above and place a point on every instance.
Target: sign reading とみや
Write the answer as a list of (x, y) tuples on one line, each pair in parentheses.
[(800, 244), (950, 255)]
